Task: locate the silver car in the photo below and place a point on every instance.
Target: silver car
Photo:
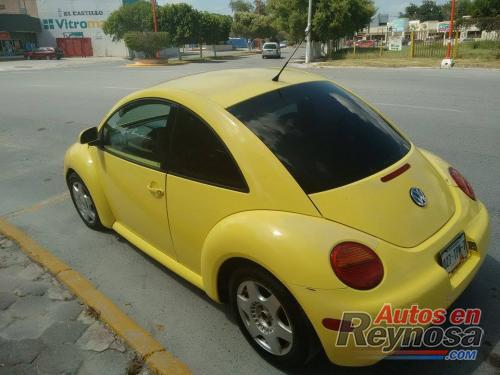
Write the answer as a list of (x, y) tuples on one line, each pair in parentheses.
[(271, 49)]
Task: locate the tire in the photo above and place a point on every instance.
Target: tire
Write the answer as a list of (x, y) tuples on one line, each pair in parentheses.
[(83, 202), (286, 338)]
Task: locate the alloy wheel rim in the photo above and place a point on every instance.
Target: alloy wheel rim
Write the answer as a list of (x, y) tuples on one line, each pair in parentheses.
[(83, 202), (264, 318)]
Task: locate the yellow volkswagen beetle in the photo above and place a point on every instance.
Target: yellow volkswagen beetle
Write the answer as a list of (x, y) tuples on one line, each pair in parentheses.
[(294, 201)]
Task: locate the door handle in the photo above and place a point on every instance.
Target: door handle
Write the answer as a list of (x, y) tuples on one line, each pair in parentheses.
[(158, 193)]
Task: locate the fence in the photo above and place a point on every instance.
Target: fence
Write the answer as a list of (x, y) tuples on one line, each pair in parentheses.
[(431, 48)]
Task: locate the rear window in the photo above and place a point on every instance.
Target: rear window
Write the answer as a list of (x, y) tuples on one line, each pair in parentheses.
[(323, 135), (270, 46)]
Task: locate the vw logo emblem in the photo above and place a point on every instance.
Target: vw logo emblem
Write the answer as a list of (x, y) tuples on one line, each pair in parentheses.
[(418, 197)]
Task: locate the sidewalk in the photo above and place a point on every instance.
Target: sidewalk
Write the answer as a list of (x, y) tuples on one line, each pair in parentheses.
[(10, 65), (45, 330)]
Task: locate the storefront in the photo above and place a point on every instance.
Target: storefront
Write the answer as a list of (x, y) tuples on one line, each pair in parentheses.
[(79, 19), (18, 32)]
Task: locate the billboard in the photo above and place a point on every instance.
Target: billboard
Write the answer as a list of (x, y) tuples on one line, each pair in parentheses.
[(399, 25), (443, 27)]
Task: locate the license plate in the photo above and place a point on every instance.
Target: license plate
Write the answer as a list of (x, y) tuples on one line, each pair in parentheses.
[(454, 253)]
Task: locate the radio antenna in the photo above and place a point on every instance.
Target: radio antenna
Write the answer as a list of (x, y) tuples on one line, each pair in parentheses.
[(277, 76)]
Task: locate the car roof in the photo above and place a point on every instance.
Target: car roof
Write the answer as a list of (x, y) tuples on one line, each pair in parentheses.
[(232, 86)]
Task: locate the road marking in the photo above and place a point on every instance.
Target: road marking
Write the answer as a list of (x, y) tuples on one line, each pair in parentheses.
[(52, 200), (420, 107), (158, 359)]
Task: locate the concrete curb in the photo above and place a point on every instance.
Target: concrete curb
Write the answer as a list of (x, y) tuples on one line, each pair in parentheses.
[(157, 358)]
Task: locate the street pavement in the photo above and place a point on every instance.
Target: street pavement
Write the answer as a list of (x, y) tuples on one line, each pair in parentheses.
[(454, 113), (45, 330)]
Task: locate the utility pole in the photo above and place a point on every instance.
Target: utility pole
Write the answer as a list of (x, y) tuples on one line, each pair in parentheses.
[(155, 23), (308, 36), (448, 61)]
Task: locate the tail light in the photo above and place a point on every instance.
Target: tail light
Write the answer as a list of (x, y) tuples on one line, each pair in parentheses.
[(462, 183), (356, 265)]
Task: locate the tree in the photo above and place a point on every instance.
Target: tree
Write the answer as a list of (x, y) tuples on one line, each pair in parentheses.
[(289, 16), (429, 10), (252, 25), (334, 19), (130, 17), (241, 6), (213, 29), (331, 19), (147, 41), (486, 8), (463, 8), (181, 21)]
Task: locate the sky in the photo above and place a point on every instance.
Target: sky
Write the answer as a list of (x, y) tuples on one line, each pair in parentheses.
[(391, 7)]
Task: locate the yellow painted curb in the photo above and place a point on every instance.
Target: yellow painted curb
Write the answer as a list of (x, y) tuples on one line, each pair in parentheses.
[(158, 359)]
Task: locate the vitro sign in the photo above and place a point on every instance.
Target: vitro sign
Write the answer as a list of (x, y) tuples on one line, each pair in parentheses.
[(65, 20)]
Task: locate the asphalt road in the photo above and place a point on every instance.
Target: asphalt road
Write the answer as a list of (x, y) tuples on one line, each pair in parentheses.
[(453, 113)]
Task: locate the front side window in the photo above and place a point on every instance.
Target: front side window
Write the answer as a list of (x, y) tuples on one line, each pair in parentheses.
[(138, 132), (323, 135), (197, 153)]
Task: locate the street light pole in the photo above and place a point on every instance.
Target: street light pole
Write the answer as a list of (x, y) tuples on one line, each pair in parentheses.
[(308, 37), (155, 23), (155, 20), (448, 61)]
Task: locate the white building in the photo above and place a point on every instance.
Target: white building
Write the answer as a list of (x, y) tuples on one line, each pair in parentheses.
[(79, 19)]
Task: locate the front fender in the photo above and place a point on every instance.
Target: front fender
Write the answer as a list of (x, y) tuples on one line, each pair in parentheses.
[(81, 159), (295, 248)]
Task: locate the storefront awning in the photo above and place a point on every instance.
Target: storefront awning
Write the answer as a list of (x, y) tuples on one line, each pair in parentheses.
[(19, 23)]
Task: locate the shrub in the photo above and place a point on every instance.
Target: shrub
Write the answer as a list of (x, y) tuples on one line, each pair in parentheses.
[(147, 42)]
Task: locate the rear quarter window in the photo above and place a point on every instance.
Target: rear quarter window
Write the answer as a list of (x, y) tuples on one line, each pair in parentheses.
[(323, 135)]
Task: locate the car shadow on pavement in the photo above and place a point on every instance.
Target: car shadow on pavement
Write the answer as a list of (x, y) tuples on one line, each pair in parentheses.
[(183, 282), (482, 293)]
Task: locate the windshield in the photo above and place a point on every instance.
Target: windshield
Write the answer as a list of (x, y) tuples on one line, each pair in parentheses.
[(269, 46), (323, 135)]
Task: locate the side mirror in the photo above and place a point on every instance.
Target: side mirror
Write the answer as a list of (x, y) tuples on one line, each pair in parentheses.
[(88, 136)]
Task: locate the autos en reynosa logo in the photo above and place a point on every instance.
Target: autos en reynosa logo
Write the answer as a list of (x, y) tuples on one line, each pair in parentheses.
[(414, 328)]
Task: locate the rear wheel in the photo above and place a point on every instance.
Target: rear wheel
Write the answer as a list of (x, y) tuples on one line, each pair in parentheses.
[(270, 318), (83, 202)]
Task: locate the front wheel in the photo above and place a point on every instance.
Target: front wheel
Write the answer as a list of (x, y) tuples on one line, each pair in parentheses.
[(270, 318), (83, 202)]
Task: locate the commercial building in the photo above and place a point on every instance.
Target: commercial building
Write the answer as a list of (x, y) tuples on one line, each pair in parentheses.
[(79, 19), (19, 25)]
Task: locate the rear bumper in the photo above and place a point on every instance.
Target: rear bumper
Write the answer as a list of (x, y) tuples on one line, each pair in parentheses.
[(424, 283)]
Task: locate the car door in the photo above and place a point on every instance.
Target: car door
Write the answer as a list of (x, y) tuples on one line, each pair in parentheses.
[(204, 183), (131, 167)]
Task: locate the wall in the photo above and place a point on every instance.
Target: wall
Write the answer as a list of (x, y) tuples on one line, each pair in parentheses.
[(63, 18), (17, 7)]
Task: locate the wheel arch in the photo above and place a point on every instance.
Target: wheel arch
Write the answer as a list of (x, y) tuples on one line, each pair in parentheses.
[(294, 248), (79, 160)]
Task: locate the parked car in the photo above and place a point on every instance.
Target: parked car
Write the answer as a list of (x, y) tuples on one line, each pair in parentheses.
[(293, 201), (271, 49), (47, 53), (365, 44), (283, 44)]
